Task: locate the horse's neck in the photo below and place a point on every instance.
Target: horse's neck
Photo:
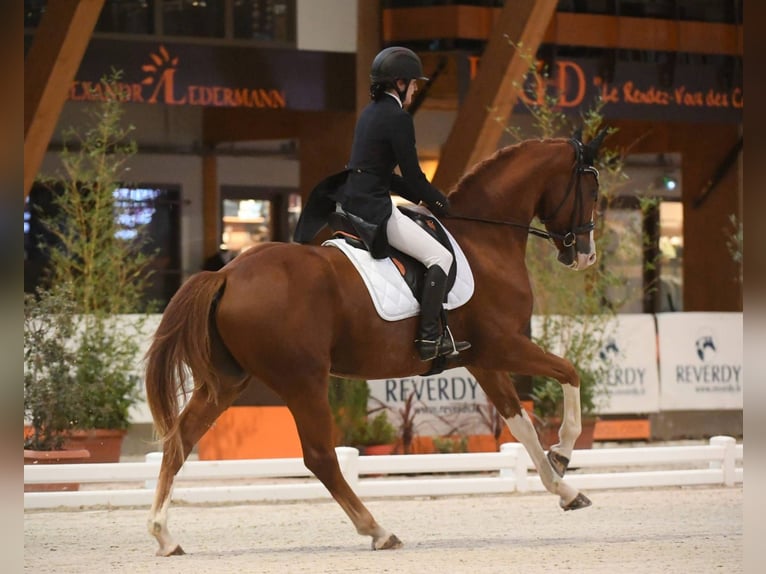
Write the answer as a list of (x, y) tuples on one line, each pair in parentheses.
[(509, 184)]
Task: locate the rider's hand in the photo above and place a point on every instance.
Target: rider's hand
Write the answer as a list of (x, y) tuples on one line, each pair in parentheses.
[(439, 207)]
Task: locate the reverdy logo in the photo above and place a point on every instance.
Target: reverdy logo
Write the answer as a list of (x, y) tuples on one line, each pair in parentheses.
[(705, 347), (621, 377), (709, 374)]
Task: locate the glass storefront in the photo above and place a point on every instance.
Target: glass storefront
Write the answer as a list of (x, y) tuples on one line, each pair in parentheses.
[(644, 239), (199, 18), (153, 209), (271, 21), (253, 215)]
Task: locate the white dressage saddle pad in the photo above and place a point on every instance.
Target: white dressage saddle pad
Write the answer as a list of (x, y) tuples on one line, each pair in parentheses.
[(392, 297)]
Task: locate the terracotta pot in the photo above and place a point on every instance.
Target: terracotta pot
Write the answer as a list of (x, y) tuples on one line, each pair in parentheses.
[(66, 456), (375, 449), (104, 445)]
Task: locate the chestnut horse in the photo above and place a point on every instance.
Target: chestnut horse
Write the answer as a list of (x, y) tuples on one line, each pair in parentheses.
[(288, 315)]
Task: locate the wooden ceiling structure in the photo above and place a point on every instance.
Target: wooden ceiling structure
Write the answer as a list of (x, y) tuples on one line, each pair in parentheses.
[(49, 69)]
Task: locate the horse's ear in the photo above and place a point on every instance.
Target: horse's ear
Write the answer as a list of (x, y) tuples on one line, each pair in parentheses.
[(577, 135), (596, 142)]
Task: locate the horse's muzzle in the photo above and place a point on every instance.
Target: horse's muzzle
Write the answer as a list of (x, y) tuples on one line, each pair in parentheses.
[(577, 260)]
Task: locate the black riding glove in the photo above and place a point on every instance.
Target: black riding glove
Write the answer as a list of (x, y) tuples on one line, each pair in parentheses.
[(439, 206)]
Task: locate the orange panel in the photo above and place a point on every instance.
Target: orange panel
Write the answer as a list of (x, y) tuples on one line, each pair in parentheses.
[(251, 432), (626, 429)]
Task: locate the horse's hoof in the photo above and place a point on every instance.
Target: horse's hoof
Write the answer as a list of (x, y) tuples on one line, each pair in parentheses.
[(176, 551), (559, 462), (390, 543), (579, 501)]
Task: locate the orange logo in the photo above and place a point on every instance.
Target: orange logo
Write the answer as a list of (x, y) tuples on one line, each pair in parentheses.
[(160, 81), (163, 69)]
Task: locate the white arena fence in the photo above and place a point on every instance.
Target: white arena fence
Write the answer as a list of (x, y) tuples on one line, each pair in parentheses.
[(508, 471)]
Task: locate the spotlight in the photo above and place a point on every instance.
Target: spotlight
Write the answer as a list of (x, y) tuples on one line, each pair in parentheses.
[(667, 183)]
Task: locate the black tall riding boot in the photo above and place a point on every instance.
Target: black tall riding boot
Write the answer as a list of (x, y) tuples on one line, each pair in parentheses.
[(433, 340)]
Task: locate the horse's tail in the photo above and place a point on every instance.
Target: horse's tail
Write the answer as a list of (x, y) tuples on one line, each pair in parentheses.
[(181, 346)]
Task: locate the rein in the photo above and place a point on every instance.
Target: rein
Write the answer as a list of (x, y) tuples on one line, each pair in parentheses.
[(531, 230), (568, 239)]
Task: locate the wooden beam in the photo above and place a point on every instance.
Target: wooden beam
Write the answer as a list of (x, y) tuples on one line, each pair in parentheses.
[(368, 44), (49, 69), (211, 205), (567, 29), (491, 96)]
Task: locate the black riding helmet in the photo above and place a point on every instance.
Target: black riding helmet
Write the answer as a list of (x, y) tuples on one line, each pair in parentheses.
[(396, 63)]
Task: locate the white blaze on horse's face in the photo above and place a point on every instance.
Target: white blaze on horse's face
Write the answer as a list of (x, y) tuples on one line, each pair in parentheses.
[(585, 260)]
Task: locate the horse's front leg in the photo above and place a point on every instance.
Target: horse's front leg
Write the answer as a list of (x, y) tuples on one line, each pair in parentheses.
[(500, 389)]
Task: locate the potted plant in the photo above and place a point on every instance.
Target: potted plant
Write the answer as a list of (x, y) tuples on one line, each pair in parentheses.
[(51, 401), (354, 426), (376, 436), (451, 444), (101, 260)]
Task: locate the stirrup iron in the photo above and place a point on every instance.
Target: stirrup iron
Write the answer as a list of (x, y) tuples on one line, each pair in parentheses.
[(456, 346)]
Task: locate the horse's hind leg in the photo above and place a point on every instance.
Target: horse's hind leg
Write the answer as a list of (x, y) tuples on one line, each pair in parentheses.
[(195, 419), (500, 389), (313, 418)]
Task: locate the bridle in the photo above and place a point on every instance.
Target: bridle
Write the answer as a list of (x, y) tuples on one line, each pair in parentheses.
[(581, 166)]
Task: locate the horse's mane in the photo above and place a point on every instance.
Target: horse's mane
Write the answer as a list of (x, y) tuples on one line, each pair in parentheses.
[(508, 153)]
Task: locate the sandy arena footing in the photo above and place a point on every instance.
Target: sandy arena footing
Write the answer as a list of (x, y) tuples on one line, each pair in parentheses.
[(668, 530)]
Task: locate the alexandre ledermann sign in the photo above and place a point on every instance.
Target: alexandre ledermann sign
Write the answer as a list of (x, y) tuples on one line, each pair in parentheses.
[(700, 360), (178, 74)]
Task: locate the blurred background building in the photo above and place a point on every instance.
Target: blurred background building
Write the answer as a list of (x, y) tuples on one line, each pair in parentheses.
[(242, 106)]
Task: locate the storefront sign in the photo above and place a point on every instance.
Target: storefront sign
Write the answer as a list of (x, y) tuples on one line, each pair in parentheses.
[(710, 92), (700, 360), (638, 91), (180, 74)]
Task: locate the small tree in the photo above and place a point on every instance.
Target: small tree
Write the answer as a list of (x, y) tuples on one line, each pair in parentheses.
[(102, 271)]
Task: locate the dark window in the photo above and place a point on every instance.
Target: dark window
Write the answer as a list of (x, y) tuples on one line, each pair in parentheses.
[(268, 20), (127, 16), (33, 12), (200, 18)]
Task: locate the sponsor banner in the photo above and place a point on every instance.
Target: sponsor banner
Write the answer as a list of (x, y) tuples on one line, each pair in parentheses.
[(451, 402), (632, 379), (628, 353), (700, 360)]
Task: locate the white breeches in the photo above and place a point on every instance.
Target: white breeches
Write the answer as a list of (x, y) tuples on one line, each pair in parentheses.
[(407, 236)]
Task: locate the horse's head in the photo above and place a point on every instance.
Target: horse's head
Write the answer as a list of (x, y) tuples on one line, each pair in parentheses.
[(567, 207)]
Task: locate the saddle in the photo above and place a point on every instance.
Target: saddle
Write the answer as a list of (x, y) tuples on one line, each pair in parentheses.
[(350, 228)]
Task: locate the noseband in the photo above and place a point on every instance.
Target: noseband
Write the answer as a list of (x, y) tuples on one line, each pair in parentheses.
[(581, 166)]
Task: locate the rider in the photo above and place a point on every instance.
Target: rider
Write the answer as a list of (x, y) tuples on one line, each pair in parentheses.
[(384, 137)]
